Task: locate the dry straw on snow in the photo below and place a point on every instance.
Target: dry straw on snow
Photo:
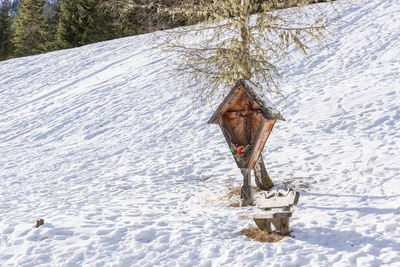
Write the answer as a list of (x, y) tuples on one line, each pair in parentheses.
[(262, 235)]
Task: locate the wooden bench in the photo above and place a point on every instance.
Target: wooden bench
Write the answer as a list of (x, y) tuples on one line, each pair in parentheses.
[(279, 198)]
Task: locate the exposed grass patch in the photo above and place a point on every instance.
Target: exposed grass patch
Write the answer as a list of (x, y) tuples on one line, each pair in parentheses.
[(262, 235), (233, 192), (235, 204)]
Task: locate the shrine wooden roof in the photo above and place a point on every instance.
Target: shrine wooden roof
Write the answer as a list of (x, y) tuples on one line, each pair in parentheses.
[(268, 111)]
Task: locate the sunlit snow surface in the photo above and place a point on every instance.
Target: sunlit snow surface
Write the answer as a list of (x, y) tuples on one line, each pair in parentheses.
[(109, 149)]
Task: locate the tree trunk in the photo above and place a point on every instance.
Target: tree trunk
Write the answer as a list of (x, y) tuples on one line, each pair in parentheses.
[(263, 181), (245, 34)]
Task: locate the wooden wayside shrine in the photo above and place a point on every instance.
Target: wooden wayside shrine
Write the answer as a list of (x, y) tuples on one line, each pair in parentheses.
[(246, 120)]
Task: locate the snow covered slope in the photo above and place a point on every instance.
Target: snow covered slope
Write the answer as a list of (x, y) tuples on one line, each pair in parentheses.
[(104, 145)]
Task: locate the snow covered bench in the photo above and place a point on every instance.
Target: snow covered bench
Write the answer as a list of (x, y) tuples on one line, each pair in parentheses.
[(278, 198)]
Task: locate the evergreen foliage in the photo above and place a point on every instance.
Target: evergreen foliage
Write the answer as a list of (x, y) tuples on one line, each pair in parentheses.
[(72, 23), (143, 16), (14, 6), (6, 45), (29, 36), (52, 16), (82, 23)]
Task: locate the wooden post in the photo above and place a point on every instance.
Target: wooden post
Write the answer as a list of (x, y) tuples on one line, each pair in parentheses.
[(246, 193), (280, 220), (284, 226), (263, 224), (39, 222), (281, 225)]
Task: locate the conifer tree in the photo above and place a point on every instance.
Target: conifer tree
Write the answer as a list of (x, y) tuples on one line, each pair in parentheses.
[(239, 46), (52, 17), (29, 38), (6, 45), (14, 6), (82, 23), (143, 16), (68, 32), (250, 47), (236, 45)]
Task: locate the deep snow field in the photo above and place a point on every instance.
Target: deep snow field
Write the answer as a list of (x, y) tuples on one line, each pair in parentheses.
[(110, 150)]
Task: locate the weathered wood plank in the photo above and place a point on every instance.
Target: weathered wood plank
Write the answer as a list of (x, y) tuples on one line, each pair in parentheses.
[(246, 192), (267, 215), (39, 222), (280, 220), (263, 224), (278, 199), (226, 132), (284, 227), (257, 149), (231, 102), (240, 113)]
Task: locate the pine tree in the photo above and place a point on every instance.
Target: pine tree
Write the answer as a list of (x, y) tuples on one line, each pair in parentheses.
[(68, 31), (30, 28), (52, 16), (82, 23), (238, 45), (6, 45), (14, 6), (143, 16)]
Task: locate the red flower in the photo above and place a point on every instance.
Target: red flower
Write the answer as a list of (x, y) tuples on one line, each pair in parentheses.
[(240, 151)]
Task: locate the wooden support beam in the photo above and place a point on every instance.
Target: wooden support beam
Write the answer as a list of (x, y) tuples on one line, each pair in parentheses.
[(246, 129), (226, 132), (246, 192), (242, 113), (280, 220), (39, 222), (263, 224)]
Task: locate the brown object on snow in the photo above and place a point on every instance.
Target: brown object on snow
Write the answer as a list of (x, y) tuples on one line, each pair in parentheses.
[(39, 222)]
